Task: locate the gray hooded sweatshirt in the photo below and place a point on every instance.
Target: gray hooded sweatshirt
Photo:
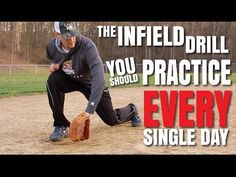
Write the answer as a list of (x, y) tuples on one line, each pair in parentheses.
[(86, 64)]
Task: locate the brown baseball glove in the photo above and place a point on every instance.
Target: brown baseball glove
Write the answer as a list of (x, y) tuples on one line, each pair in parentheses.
[(79, 128)]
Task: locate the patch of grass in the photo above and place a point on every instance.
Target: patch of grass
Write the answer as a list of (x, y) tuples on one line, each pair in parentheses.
[(233, 78), (22, 84)]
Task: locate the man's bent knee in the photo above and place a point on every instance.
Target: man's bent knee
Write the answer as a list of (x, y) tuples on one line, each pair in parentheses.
[(111, 123)]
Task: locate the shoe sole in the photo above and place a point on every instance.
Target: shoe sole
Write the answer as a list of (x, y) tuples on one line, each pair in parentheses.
[(135, 125)]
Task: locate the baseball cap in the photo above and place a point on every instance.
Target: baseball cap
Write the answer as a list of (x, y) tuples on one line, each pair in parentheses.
[(66, 29)]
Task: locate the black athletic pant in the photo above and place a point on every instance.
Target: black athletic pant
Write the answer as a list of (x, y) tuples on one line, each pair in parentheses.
[(59, 83)]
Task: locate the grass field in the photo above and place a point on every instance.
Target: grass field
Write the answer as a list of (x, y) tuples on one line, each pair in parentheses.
[(22, 84)]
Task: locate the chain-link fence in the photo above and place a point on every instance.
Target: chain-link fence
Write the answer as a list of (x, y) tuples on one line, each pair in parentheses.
[(11, 70)]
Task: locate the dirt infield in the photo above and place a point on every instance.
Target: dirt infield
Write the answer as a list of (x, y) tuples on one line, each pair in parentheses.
[(26, 124)]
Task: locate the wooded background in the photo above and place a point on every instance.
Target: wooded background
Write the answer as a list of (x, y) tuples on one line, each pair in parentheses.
[(24, 42)]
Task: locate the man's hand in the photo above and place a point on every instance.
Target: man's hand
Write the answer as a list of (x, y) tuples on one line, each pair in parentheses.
[(53, 67), (87, 114)]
